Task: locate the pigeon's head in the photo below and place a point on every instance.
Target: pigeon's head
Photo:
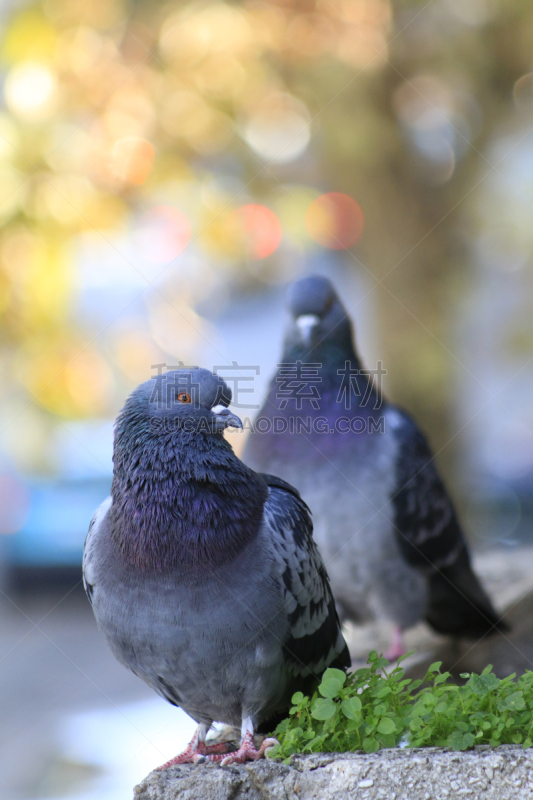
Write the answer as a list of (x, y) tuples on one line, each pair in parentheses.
[(192, 400), (317, 314)]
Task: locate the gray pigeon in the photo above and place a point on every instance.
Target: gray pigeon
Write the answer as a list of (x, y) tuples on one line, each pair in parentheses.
[(383, 520), (203, 575)]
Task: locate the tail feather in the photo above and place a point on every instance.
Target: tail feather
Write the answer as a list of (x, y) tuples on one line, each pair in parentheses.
[(458, 604)]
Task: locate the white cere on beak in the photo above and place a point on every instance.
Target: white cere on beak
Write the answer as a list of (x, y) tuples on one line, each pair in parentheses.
[(306, 323), (230, 420)]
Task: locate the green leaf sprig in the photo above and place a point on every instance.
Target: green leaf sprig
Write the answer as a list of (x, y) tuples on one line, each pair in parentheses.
[(374, 708)]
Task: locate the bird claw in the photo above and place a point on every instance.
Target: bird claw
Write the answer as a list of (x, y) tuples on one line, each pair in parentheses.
[(394, 653), (269, 743), (246, 752), (201, 753), (397, 649), (197, 753)]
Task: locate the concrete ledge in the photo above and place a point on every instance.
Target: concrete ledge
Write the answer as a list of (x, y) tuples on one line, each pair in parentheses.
[(502, 773)]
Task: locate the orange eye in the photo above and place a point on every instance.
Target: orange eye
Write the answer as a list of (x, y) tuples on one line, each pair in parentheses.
[(183, 397)]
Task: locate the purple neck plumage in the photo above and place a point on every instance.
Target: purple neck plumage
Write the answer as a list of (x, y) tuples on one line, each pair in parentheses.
[(337, 387), (181, 500)]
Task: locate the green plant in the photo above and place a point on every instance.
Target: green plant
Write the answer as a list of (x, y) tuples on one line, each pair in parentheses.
[(372, 708)]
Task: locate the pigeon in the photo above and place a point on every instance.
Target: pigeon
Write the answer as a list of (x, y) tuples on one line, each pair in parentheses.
[(203, 575), (383, 520)]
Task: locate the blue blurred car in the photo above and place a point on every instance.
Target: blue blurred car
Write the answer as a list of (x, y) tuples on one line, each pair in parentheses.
[(56, 525)]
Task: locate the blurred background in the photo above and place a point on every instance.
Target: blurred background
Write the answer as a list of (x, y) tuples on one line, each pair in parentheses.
[(166, 169)]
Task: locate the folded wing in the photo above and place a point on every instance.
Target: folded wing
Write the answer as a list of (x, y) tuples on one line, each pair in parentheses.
[(431, 539), (314, 639)]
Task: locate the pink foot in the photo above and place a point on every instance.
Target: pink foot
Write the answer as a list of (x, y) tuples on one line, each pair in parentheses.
[(196, 751), (246, 752), (397, 649)]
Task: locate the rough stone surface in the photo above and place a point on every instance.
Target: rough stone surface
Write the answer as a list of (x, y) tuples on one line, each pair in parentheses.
[(502, 773)]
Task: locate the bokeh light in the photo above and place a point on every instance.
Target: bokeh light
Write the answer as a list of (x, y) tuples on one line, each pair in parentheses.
[(438, 122), (30, 91), (424, 101), (278, 129), (252, 231), (68, 382), (132, 159), (335, 220), (162, 234), (188, 118), (311, 34), (523, 94), (473, 12), (261, 230), (290, 204), (438, 152), (187, 38)]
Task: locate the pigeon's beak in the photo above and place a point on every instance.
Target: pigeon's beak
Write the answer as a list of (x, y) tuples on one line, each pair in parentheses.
[(306, 324), (224, 414)]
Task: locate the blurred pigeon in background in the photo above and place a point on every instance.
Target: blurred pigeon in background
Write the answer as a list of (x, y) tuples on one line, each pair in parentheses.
[(203, 575), (383, 520)]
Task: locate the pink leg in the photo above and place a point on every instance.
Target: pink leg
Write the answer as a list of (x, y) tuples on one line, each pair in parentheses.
[(196, 750), (397, 648), (246, 752)]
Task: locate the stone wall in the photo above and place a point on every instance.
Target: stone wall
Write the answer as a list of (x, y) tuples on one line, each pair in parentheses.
[(502, 773)]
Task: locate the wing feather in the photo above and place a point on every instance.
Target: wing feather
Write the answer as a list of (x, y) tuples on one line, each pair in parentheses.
[(88, 550), (314, 639), (426, 525), (431, 539)]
